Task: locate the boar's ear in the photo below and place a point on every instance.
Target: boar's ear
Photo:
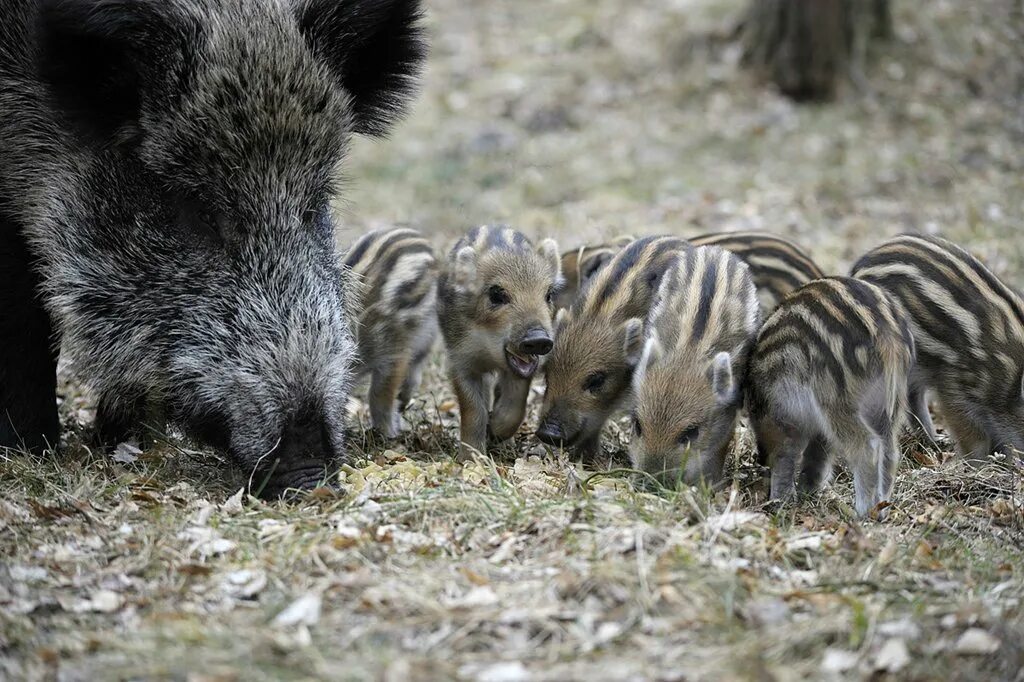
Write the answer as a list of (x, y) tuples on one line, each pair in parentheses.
[(100, 59), (722, 384), (464, 269), (548, 250), (633, 341), (375, 48)]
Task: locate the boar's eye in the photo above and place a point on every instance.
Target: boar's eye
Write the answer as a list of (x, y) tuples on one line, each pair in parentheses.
[(550, 296), (689, 435), (594, 382), (208, 220), (637, 431), (498, 296)]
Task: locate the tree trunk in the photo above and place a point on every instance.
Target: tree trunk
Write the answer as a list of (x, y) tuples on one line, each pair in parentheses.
[(807, 47)]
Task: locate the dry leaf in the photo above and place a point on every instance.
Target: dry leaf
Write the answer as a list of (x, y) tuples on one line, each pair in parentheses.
[(303, 611), (245, 583), (893, 656), (976, 641), (233, 505), (904, 629), (475, 598), (27, 574), (811, 542), (126, 453), (1003, 508), (195, 569), (348, 536), (509, 671), (104, 601), (888, 553), (838, 661), (731, 521), (50, 513), (474, 577)]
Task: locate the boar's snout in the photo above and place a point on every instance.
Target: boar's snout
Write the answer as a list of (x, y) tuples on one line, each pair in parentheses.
[(301, 460), (536, 341)]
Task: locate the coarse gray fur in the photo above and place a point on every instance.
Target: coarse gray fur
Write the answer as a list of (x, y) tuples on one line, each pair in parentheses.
[(171, 164)]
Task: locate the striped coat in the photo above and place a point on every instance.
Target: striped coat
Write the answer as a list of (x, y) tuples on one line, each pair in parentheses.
[(777, 265), (598, 342), (828, 376), (688, 382), (396, 322), (969, 329), (495, 307)]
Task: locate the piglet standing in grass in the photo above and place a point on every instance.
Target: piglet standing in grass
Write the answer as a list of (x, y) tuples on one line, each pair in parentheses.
[(969, 329), (396, 319), (688, 384), (598, 345), (828, 377), (495, 304)]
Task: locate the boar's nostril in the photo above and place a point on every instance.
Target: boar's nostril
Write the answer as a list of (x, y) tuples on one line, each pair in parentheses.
[(536, 342), (551, 433)]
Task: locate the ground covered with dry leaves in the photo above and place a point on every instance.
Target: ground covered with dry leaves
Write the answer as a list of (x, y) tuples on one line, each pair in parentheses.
[(580, 119)]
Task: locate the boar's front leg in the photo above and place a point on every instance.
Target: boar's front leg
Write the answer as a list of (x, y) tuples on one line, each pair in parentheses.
[(510, 406), (122, 415), (28, 361)]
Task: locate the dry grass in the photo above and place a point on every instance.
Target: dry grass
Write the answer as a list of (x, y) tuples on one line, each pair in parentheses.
[(581, 119)]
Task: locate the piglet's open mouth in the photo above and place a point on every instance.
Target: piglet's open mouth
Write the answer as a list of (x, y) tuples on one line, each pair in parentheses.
[(523, 365)]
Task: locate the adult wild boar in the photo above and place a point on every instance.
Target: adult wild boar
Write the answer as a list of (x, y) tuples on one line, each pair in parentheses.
[(166, 171)]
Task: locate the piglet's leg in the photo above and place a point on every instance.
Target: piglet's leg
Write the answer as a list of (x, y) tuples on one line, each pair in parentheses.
[(510, 407), (473, 394)]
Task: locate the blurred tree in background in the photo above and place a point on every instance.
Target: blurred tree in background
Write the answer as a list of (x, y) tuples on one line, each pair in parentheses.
[(808, 47)]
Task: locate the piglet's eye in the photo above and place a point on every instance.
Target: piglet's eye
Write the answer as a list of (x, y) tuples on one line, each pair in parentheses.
[(637, 431), (498, 296), (594, 382), (689, 435)]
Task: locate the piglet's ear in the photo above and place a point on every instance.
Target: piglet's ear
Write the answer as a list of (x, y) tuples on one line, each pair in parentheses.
[(633, 341), (103, 60), (561, 319), (375, 48), (722, 383), (548, 250), (651, 354), (593, 264), (464, 269)]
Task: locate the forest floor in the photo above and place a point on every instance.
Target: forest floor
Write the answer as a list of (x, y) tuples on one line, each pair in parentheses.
[(578, 119)]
